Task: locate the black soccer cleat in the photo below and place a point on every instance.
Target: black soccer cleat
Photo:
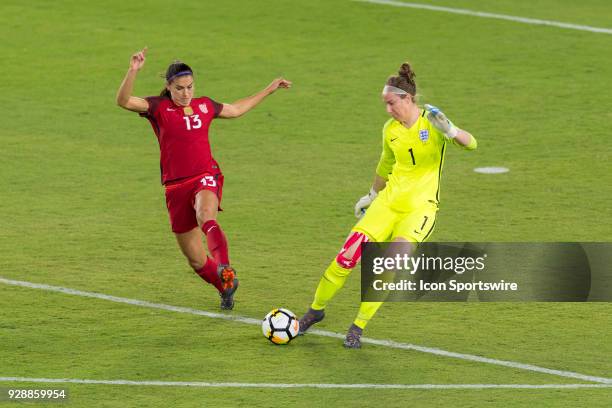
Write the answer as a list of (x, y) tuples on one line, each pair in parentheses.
[(227, 297), (310, 317), (353, 337)]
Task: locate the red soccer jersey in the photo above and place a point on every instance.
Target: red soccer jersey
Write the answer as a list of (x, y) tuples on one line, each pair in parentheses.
[(182, 133)]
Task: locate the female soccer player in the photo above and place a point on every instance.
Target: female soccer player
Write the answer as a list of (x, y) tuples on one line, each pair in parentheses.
[(404, 197), (192, 178)]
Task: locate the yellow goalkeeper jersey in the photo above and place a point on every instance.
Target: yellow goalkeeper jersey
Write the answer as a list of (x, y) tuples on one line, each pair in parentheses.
[(411, 161)]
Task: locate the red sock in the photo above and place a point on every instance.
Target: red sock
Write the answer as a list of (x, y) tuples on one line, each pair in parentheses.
[(209, 273), (215, 239)]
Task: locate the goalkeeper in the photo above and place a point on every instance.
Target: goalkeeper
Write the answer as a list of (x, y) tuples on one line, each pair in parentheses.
[(404, 198)]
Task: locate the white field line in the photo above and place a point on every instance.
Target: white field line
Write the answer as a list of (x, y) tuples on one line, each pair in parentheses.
[(466, 12), (325, 333), (307, 385)]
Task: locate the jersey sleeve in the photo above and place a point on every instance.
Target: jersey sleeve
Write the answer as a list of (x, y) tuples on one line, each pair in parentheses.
[(218, 107), (387, 158), (153, 106)]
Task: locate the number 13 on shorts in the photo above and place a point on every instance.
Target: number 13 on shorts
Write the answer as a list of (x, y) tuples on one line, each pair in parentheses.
[(208, 181)]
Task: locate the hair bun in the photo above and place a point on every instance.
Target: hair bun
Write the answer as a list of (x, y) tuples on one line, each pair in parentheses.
[(405, 71)]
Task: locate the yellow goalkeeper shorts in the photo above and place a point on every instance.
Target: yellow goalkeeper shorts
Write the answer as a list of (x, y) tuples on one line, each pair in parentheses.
[(381, 223)]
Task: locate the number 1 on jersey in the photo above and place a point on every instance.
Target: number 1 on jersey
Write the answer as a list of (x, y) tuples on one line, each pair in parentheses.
[(412, 155)]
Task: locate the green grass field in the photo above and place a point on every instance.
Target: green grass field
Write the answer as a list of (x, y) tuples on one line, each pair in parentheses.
[(82, 206)]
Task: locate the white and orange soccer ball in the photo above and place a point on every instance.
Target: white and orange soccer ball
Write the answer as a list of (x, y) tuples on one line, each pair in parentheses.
[(280, 326)]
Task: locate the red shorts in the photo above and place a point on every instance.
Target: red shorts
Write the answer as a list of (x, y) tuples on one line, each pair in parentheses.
[(180, 199)]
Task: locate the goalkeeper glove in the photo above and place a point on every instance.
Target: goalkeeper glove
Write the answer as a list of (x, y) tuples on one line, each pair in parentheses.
[(364, 202), (440, 121)]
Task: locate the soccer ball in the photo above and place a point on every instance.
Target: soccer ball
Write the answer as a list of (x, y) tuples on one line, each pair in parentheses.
[(280, 326)]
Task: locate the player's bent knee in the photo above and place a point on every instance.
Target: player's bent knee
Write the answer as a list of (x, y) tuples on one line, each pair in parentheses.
[(205, 214), (350, 254)]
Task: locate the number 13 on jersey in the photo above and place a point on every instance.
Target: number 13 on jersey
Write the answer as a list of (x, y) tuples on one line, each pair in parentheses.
[(193, 122), (209, 181)]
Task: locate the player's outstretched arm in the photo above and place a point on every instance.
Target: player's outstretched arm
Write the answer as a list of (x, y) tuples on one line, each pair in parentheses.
[(124, 94), (450, 131), (242, 106)]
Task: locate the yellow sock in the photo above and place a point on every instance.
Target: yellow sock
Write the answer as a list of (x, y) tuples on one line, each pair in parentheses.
[(331, 282), (367, 310)]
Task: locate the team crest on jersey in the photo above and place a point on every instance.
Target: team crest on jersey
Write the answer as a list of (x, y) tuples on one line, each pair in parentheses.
[(203, 108), (424, 135), (187, 110)]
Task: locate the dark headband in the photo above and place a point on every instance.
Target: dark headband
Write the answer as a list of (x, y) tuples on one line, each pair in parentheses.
[(178, 74)]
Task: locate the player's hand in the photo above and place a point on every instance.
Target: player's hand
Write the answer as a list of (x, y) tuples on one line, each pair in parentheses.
[(279, 83), (364, 202), (440, 121), (137, 60)]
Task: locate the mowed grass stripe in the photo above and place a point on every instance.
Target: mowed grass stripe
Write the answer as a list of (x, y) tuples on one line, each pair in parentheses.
[(325, 333)]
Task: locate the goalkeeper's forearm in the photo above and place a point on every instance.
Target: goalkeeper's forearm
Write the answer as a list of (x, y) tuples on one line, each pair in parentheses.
[(465, 139), (378, 184)]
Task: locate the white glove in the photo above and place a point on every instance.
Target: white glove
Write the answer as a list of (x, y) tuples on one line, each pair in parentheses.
[(441, 122), (364, 202)]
